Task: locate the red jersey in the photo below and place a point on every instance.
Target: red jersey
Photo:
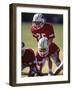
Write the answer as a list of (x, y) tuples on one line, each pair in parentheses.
[(40, 60), (28, 57), (47, 31)]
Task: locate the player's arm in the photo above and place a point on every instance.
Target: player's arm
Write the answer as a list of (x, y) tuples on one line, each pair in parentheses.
[(50, 66), (51, 34), (35, 35)]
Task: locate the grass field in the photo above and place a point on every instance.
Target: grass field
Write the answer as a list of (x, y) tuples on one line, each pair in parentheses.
[(31, 42)]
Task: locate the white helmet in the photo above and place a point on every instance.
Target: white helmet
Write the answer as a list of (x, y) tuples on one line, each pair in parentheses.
[(43, 48), (39, 20)]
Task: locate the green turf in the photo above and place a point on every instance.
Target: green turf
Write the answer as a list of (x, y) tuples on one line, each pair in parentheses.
[(31, 42)]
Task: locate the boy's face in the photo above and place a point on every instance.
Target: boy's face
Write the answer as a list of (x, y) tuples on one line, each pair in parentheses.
[(37, 25), (43, 52)]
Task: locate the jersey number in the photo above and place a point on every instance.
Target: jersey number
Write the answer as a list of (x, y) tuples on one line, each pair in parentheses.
[(40, 35)]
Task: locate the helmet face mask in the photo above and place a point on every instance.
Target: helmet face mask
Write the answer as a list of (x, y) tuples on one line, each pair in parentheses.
[(43, 52), (38, 21), (37, 25)]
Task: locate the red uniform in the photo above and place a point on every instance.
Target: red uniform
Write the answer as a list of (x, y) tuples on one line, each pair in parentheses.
[(54, 52), (47, 31), (28, 61), (28, 57), (40, 59)]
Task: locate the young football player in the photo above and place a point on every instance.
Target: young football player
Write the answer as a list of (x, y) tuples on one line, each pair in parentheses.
[(28, 58), (42, 55), (42, 29)]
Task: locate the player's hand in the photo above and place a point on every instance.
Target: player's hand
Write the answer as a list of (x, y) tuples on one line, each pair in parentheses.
[(38, 67)]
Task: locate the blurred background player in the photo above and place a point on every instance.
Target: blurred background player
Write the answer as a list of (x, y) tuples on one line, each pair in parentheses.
[(28, 58), (40, 28)]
